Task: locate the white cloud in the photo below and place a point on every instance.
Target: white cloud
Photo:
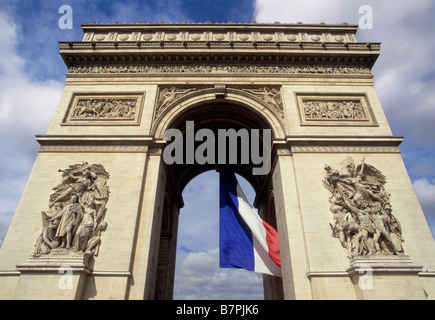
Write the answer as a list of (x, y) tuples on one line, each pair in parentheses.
[(425, 191), (197, 274), (200, 278), (9, 38), (199, 219), (26, 107), (307, 11), (162, 10)]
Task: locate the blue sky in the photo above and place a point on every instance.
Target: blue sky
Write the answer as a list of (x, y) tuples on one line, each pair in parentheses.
[(32, 76)]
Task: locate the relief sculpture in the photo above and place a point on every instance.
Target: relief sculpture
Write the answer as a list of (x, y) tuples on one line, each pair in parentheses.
[(169, 95), (271, 96), (333, 110), (105, 109), (77, 208), (362, 214), (219, 68)]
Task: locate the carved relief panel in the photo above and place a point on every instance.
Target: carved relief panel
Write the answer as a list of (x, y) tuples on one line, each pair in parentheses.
[(105, 109), (334, 110)]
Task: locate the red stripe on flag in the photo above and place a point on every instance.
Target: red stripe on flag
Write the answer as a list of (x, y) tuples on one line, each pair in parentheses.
[(272, 243)]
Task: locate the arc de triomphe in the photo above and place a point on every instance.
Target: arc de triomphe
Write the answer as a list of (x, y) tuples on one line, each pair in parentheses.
[(98, 217)]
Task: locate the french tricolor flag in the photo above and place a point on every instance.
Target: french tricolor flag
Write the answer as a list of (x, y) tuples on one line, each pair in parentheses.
[(246, 241)]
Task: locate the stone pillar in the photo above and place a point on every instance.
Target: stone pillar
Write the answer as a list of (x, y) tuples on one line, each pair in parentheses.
[(291, 237), (273, 289), (167, 252), (147, 238)]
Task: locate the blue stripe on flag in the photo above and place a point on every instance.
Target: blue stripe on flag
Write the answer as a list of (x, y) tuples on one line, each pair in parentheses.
[(236, 245)]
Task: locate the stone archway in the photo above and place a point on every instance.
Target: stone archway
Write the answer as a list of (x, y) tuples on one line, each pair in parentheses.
[(239, 111), (311, 85)]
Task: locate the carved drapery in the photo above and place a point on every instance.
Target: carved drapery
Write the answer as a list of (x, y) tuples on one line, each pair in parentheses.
[(362, 214), (74, 221)]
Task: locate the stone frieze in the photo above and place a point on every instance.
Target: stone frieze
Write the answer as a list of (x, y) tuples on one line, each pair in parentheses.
[(181, 68)]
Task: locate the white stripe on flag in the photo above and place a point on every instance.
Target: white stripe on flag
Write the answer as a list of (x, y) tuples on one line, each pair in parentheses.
[(263, 262)]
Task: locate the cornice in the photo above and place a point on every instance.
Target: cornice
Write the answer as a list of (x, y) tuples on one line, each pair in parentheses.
[(357, 54), (344, 144), (219, 43), (393, 141), (289, 140)]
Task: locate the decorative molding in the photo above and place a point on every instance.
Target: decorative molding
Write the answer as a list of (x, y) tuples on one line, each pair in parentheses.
[(219, 36), (89, 144), (383, 264), (57, 261), (345, 149), (99, 273), (317, 274), (94, 148), (374, 264), (9, 273), (233, 44), (104, 109)]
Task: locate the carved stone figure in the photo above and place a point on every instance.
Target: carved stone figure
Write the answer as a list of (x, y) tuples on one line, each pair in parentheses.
[(80, 184), (87, 225), (47, 240), (362, 214), (70, 218), (169, 95), (269, 95), (95, 238), (76, 208)]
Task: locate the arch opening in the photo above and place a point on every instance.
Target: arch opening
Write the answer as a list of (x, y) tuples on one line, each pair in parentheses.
[(214, 115), (225, 117), (197, 272)]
